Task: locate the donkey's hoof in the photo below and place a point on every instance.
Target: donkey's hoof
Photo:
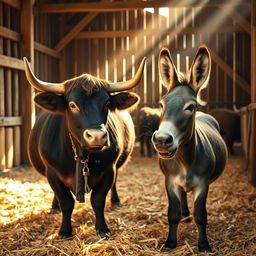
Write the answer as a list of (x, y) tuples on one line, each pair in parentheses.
[(104, 233), (205, 247), (165, 249)]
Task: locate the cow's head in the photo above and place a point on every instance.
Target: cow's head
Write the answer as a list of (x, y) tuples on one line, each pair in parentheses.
[(85, 101)]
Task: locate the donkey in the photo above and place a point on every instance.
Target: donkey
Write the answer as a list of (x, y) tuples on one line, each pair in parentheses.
[(191, 151)]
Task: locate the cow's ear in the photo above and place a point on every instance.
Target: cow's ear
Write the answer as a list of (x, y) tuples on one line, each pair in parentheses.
[(50, 102), (123, 100)]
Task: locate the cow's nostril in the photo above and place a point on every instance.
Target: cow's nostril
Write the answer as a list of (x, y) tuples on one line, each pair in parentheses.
[(88, 135), (161, 138)]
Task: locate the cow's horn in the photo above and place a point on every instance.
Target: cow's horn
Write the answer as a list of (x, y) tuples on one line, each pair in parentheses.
[(40, 85), (122, 86)]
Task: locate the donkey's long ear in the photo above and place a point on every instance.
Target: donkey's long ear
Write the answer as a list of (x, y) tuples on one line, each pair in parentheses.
[(167, 69), (200, 68)]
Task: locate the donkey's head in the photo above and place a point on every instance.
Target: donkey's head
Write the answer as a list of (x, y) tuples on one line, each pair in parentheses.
[(180, 102)]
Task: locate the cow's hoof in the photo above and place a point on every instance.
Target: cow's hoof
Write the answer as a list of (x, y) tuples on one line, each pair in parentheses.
[(54, 211), (205, 247), (104, 233), (116, 205), (64, 236), (169, 246)]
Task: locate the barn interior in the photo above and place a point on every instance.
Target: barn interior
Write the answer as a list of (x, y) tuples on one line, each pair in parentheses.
[(108, 38)]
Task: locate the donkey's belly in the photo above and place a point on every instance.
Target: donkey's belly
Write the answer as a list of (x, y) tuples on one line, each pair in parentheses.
[(186, 182)]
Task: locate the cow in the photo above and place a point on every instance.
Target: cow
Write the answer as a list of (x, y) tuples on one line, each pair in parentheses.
[(81, 139), (192, 153), (147, 122), (230, 127)]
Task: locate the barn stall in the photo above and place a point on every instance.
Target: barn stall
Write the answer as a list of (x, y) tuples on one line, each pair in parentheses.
[(63, 39)]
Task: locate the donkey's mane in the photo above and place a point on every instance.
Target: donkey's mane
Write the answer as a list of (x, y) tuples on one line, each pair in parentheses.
[(88, 82)]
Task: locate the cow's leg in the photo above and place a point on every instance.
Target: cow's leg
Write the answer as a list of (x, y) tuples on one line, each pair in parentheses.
[(115, 200), (55, 206), (66, 202), (200, 217), (184, 207), (174, 216), (142, 153), (149, 146), (98, 199)]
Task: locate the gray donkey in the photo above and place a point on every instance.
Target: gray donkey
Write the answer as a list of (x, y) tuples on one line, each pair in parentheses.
[(192, 154)]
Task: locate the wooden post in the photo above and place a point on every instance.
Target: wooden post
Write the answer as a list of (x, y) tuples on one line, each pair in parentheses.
[(252, 151), (9, 151), (27, 49), (2, 101)]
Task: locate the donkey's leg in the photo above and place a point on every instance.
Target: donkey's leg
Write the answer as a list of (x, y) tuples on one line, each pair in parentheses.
[(200, 216), (66, 202), (174, 216), (149, 146), (98, 199), (184, 208)]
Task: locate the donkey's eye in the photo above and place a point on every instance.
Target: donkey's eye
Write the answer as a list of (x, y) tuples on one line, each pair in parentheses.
[(190, 107), (73, 106)]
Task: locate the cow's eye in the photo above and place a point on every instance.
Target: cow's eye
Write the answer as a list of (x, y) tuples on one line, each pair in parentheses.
[(73, 106)]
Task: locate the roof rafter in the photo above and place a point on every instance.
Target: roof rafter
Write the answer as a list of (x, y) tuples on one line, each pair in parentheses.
[(129, 5)]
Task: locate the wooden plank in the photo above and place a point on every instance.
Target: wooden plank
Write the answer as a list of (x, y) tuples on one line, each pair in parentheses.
[(252, 150), (129, 5), (9, 149), (148, 32), (75, 30), (13, 3), (10, 62), (47, 50), (16, 102), (9, 34), (27, 93), (2, 101), (10, 121), (228, 70), (241, 21)]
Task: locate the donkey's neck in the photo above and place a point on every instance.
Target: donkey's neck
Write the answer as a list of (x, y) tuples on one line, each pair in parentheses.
[(186, 153)]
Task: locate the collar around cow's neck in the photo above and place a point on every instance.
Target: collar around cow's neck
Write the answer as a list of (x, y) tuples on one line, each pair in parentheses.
[(82, 173)]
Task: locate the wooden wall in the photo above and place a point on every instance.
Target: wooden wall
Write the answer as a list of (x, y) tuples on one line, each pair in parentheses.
[(112, 46)]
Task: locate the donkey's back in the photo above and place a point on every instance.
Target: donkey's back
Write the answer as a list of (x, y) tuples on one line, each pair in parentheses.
[(211, 148)]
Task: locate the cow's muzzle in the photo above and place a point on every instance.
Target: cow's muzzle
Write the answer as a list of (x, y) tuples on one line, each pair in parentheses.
[(96, 139)]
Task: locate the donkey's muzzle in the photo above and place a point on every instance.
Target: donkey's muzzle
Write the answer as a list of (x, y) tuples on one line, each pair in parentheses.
[(162, 141), (96, 139)]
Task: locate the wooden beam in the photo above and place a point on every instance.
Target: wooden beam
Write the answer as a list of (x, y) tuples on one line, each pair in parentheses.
[(229, 71), (27, 93), (252, 114), (47, 50), (241, 21), (131, 33), (9, 34), (10, 62), (13, 3), (130, 5), (75, 30), (10, 121)]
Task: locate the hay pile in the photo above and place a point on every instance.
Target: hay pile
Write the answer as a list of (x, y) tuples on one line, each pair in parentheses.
[(138, 228)]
